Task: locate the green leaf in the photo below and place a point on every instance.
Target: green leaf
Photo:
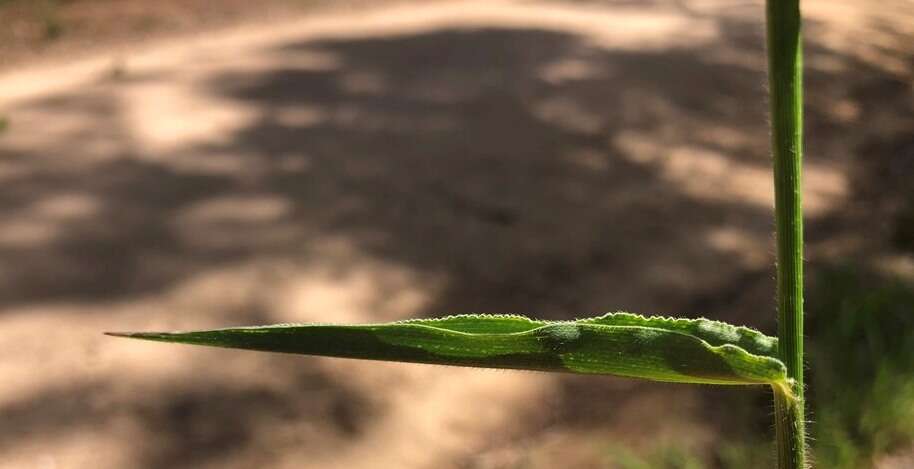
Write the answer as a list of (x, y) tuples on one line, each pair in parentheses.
[(621, 344)]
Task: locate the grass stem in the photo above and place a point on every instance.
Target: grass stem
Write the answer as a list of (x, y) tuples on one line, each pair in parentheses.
[(785, 79)]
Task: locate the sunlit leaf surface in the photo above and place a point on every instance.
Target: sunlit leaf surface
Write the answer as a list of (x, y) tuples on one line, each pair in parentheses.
[(621, 344)]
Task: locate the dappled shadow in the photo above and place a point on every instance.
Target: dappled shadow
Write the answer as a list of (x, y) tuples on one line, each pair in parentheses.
[(183, 425), (467, 154), (501, 169)]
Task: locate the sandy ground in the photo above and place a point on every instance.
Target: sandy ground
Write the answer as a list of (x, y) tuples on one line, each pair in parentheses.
[(555, 159)]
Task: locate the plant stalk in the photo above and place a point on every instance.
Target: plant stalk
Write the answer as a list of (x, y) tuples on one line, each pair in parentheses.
[(785, 79)]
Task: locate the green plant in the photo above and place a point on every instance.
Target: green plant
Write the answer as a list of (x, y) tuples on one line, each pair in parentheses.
[(785, 80), (667, 456), (622, 344), (863, 374)]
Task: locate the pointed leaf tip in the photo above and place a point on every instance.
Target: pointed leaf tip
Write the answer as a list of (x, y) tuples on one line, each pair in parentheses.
[(142, 335)]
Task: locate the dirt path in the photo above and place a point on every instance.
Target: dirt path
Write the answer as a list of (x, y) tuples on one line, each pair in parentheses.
[(556, 159)]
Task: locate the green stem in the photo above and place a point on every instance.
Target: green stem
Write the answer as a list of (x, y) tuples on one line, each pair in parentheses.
[(785, 77)]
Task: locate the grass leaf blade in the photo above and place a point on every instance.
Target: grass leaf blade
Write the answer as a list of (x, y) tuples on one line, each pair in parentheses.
[(660, 349)]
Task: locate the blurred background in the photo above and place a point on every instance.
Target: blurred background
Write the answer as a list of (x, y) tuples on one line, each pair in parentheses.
[(191, 164)]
